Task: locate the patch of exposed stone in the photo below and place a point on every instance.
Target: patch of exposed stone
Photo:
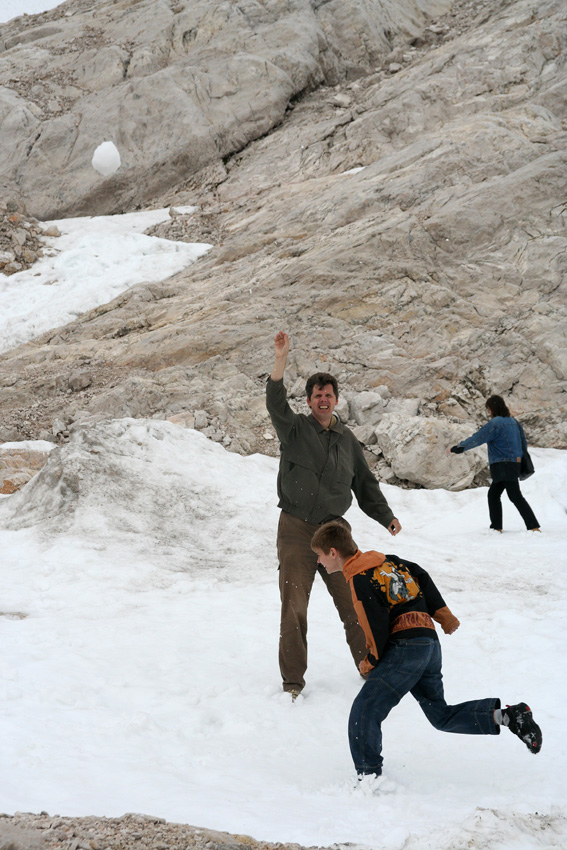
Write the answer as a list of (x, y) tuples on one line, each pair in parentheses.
[(71, 384), (20, 238), (50, 93), (18, 466), (202, 225), (404, 443), (24, 831)]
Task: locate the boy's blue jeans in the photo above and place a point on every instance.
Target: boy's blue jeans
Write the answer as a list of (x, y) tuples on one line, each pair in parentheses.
[(412, 666)]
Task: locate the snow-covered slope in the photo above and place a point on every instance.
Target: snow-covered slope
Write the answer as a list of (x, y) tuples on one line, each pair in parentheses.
[(139, 665)]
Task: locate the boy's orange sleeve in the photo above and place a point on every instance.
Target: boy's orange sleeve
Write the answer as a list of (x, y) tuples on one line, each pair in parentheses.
[(365, 667), (446, 620)]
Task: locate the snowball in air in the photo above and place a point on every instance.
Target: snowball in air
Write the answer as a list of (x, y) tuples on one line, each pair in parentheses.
[(106, 159)]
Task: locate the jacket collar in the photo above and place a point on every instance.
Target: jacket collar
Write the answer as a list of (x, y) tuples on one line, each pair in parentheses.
[(336, 424), (362, 561)]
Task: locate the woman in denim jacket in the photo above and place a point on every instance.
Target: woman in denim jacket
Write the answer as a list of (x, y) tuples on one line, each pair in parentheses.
[(503, 436)]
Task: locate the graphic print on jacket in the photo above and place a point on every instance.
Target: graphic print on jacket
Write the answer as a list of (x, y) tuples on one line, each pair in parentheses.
[(396, 581), (394, 599)]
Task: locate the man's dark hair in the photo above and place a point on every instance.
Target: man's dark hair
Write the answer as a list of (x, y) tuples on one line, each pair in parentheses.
[(320, 379), (497, 406), (334, 535)]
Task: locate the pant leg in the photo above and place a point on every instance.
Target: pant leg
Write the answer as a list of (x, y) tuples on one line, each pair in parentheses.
[(515, 495), (475, 717), (342, 597), (298, 566), (400, 668), (494, 504)]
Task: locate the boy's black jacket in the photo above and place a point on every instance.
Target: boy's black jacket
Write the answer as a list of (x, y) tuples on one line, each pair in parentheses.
[(393, 599)]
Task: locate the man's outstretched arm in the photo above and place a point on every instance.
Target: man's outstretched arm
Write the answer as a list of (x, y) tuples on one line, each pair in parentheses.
[(282, 416), (281, 347)]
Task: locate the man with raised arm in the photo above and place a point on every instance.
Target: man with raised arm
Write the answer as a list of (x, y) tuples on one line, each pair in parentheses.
[(321, 466)]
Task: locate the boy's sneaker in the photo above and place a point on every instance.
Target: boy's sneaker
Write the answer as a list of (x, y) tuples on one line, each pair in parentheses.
[(371, 784), (522, 724)]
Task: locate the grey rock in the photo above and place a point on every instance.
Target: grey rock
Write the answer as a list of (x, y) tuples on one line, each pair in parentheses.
[(58, 427), (201, 419), (415, 448), (342, 100), (342, 409), (365, 433), (383, 391), (297, 390), (52, 230), (404, 406), (80, 381), (366, 407), (20, 239), (15, 837)]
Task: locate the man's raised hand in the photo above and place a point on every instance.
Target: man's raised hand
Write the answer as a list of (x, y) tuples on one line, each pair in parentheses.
[(281, 344)]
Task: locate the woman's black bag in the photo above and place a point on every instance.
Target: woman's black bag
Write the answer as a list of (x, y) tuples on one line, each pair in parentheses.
[(526, 466), (526, 463)]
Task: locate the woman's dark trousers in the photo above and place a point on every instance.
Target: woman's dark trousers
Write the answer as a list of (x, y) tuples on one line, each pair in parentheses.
[(514, 494)]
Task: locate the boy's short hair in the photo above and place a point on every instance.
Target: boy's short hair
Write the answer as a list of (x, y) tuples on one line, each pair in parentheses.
[(334, 535), (321, 379)]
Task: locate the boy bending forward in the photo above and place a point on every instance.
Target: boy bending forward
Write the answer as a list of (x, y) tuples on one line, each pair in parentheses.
[(396, 602)]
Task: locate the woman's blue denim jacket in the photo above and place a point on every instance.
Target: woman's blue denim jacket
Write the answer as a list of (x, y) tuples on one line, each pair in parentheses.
[(503, 437)]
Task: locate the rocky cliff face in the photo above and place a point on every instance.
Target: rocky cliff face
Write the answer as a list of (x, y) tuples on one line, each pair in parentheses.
[(177, 85), (388, 188)]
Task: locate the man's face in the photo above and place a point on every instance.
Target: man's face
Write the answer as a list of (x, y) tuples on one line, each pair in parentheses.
[(322, 403), (331, 561)]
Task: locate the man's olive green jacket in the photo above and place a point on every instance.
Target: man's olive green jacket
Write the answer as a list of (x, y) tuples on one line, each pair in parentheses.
[(320, 468)]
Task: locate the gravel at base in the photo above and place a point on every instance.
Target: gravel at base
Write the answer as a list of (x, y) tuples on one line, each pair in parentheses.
[(25, 831)]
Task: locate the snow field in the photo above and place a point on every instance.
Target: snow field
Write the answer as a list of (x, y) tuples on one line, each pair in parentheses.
[(144, 675)]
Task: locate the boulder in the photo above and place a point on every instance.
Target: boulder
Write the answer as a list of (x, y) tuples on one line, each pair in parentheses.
[(415, 448), (365, 434), (367, 407)]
